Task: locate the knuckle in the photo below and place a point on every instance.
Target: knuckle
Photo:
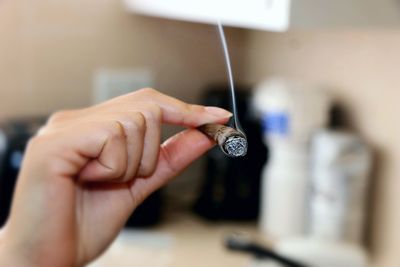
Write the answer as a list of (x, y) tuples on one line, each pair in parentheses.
[(116, 130), (56, 167), (146, 169), (42, 149), (193, 108), (42, 131), (170, 164), (138, 196), (148, 91), (34, 142), (128, 176), (152, 113), (135, 123), (59, 116), (48, 141), (139, 122), (55, 117), (119, 173), (187, 108), (39, 140)]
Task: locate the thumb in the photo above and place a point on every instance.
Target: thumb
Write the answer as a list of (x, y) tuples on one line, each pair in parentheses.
[(176, 154)]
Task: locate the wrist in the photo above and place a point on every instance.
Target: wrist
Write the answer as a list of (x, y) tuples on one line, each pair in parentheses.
[(5, 258), (2, 246), (5, 254), (9, 256)]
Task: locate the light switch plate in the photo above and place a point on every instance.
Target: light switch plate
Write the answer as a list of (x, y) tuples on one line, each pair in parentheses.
[(110, 83)]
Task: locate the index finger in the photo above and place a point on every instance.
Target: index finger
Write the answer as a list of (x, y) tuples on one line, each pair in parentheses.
[(177, 112)]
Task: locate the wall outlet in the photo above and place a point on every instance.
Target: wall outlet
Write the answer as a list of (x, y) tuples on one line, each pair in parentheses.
[(110, 83)]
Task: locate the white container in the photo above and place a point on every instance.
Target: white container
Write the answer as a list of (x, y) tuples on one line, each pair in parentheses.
[(340, 177), (291, 112), (285, 186)]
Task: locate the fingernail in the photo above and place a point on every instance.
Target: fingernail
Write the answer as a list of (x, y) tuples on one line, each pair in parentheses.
[(218, 112)]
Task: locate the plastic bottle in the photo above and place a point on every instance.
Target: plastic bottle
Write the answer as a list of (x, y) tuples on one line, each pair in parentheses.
[(340, 176), (290, 112)]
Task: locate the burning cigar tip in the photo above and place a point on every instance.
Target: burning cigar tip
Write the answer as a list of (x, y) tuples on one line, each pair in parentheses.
[(231, 141), (235, 146)]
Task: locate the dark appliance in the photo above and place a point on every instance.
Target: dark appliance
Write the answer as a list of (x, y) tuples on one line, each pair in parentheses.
[(14, 136), (231, 187)]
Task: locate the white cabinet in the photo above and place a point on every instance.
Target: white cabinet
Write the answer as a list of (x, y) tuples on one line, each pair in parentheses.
[(261, 14), (276, 15)]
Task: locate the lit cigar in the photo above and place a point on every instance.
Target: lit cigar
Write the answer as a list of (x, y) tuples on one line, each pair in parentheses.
[(232, 142)]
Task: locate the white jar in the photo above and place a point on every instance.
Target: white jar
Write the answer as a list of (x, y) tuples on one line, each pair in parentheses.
[(291, 112), (341, 165)]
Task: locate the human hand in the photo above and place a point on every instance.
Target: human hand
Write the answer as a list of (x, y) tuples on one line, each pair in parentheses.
[(87, 170)]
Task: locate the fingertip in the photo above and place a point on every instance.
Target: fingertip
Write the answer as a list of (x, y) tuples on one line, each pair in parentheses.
[(218, 112), (195, 115), (220, 121), (208, 114)]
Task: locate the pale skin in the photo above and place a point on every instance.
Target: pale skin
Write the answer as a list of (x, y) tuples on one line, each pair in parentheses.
[(87, 170)]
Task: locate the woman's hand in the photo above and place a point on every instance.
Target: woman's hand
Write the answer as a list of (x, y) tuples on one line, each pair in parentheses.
[(87, 170)]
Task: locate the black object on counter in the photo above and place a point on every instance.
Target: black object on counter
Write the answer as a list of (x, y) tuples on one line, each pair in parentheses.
[(237, 243), (148, 213), (14, 136), (231, 186)]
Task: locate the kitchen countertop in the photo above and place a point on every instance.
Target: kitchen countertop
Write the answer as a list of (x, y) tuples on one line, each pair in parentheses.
[(182, 240)]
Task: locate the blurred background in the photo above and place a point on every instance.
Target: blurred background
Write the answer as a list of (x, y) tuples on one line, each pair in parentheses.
[(317, 94)]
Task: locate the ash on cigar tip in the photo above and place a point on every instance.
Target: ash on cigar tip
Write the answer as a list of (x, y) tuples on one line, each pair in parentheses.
[(236, 146)]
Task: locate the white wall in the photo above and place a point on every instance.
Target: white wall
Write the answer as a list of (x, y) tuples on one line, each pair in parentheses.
[(363, 71), (49, 51)]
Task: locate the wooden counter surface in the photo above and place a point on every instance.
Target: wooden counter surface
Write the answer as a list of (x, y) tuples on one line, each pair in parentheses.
[(183, 240)]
